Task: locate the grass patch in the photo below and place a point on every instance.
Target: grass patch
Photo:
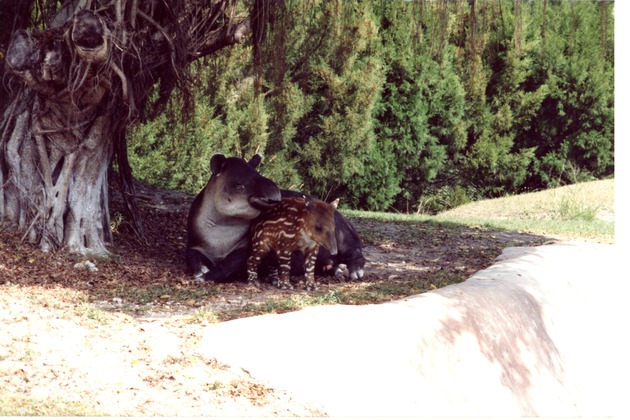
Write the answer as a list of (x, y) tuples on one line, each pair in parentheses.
[(90, 311), (203, 316), (54, 298), (176, 360), (296, 301), (379, 216), (579, 211), (595, 230), (549, 204), (140, 299), (583, 210), (166, 292), (63, 298), (572, 208), (285, 304), (14, 405), (379, 292), (388, 290)]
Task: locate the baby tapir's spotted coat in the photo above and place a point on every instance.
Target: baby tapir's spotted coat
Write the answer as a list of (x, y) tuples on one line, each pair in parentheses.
[(296, 224)]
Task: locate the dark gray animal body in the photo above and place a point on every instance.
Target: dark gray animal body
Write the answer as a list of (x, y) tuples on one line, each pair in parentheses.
[(219, 220), (220, 216)]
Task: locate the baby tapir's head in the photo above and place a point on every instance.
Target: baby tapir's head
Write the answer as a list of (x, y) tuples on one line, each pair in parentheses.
[(319, 223)]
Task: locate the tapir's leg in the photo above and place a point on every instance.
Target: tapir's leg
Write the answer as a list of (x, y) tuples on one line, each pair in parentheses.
[(198, 265), (252, 269), (205, 270), (355, 266), (259, 250), (273, 275), (284, 258), (268, 268), (297, 264), (325, 264), (310, 255), (235, 263)]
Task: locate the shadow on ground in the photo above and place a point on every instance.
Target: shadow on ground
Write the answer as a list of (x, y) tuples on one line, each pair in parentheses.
[(403, 258)]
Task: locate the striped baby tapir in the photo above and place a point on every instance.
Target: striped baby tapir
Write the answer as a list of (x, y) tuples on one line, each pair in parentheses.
[(296, 224)]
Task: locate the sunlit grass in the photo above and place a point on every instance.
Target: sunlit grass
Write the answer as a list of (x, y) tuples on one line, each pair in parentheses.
[(579, 211), (584, 211)]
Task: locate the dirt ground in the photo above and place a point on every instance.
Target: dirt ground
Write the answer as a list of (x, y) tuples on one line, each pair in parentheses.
[(118, 336)]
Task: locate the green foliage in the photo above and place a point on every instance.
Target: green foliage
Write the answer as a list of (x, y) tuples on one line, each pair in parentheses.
[(336, 133), (399, 115), (227, 119), (412, 106), (574, 129), (445, 198)]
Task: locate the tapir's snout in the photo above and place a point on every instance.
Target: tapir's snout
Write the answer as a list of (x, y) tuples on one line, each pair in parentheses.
[(267, 196), (264, 203)]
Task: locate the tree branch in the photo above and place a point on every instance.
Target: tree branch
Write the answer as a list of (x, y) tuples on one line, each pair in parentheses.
[(223, 37)]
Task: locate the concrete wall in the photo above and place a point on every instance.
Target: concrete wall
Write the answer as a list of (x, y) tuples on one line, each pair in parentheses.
[(540, 333)]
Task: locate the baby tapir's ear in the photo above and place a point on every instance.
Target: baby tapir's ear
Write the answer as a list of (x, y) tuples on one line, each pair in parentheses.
[(335, 203)]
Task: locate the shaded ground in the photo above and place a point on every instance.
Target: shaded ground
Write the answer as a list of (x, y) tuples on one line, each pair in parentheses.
[(144, 278), (142, 293)]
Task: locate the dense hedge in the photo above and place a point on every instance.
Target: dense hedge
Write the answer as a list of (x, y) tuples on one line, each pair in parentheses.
[(405, 105)]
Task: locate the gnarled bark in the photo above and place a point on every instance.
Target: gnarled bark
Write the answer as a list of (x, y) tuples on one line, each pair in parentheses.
[(82, 82), (57, 148)]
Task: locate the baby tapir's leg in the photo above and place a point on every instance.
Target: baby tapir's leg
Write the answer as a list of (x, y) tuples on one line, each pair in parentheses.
[(310, 255), (259, 250), (273, 276), (284, 259)]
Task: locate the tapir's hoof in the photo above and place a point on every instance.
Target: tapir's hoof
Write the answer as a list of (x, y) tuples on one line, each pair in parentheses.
[(311, 287), (253, 283), (285, 286), (202, 278), (357, 275), (342, 271)]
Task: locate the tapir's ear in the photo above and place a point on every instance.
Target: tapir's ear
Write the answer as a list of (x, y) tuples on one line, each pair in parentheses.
[(335, 203), (255, 160), (216, 163)]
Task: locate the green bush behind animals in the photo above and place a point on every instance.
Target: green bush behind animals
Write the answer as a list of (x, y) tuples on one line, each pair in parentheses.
[(406, 106)]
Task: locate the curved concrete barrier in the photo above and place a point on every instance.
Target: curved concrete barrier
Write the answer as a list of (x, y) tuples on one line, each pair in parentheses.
[(540, 333)]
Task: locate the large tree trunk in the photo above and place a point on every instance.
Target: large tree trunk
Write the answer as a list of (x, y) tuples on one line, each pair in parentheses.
[(57, 147), (82, 82)]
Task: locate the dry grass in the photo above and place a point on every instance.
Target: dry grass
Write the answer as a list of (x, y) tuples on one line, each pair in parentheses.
[(568, 202), (582, 211)]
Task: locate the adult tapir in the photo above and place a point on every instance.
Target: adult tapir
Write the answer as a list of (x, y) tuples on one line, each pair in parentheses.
[(219, 222)]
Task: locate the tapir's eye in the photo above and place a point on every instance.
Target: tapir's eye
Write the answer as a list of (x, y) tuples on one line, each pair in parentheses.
[(319, 228), (239, 187)]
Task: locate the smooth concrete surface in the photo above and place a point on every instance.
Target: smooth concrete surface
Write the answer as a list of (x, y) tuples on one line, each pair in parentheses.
[(542, 332)]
